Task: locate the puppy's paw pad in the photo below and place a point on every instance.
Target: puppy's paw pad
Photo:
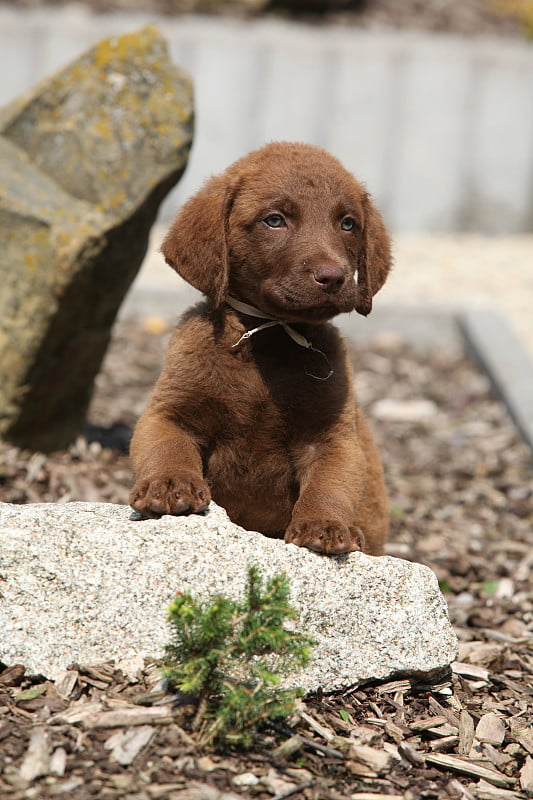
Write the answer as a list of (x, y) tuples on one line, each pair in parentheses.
[(179, 494), (326, 536)]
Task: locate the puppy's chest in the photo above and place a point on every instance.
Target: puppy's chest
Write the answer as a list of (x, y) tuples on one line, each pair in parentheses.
[(275, 400)]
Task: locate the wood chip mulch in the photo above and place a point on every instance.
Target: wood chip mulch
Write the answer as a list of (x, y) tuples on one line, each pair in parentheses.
[(461, 487), (510, 18)]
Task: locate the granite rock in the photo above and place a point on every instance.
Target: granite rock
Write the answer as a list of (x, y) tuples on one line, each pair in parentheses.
[(83, 582), (86, 158)]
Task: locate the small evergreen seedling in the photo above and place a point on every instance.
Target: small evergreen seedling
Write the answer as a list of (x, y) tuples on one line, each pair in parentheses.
[(228, 656)]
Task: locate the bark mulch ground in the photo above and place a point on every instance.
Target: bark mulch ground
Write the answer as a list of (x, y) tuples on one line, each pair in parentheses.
[(467, 18), (461, 487)]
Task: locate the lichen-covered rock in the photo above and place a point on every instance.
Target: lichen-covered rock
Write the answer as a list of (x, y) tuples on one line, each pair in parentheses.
[(85, 583), (85, 160)]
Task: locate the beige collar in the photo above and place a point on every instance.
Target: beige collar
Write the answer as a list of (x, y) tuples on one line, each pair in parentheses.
[(252, 311)]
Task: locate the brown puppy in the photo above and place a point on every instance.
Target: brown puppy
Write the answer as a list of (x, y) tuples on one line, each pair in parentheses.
[(255, 405)]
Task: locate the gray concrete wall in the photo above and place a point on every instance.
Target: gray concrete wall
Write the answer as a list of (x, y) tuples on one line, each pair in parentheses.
[(439, 127)]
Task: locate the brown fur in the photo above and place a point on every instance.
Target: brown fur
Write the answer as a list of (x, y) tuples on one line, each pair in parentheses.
[(256, 426)]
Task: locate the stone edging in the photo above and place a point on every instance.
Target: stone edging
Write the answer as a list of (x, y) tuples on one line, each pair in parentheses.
[(490, 340)]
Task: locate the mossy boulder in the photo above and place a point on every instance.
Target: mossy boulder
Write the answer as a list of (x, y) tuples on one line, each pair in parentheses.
[(85, 160)]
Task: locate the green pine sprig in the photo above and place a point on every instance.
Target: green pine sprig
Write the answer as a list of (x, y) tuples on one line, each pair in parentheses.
[(229, 656)]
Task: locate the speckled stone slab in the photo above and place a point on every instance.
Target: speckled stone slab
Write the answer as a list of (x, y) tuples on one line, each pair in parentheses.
[(83, 582)]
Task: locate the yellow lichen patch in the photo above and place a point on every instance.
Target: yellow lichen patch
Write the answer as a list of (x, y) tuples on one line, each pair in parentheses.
[(128, 135), (62, 238), (30, 261), (102, 128), (123, 48), (116, 199)]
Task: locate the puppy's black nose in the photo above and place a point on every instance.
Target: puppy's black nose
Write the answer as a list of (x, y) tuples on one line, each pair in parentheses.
[(330, 278)]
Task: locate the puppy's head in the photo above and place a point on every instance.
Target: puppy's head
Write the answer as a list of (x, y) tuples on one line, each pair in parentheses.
[(287, 229)]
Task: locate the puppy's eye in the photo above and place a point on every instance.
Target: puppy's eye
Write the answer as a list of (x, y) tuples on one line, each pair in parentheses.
[(348, 224), (274, 221)]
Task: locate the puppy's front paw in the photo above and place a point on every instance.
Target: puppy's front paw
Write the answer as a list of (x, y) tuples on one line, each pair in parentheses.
[(325, 536), (180, 494)]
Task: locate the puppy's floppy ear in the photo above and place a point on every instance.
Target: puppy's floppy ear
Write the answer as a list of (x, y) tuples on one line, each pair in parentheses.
[(196, 245), (375, 258)]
